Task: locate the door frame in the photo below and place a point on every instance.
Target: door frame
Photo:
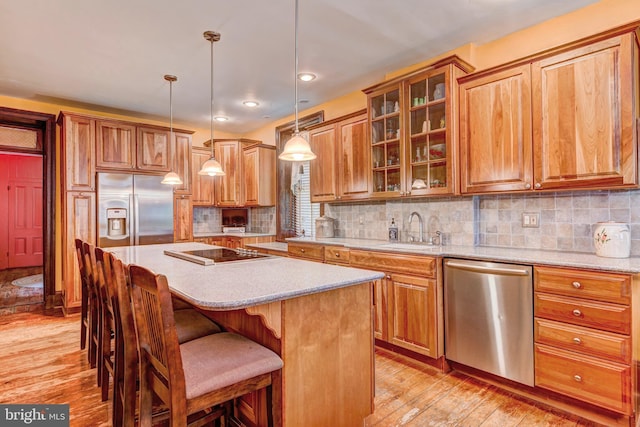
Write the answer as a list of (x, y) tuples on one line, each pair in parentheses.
[(46, 123)]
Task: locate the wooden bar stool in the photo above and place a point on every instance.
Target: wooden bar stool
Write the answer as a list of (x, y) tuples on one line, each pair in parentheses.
[(90, 315), (195, 376), (190, 324)]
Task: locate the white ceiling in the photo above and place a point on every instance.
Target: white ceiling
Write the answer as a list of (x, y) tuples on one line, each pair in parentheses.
[(112, 55)]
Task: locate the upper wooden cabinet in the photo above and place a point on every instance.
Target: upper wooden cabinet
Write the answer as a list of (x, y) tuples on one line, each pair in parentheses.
[(182, 161), (495, 132), (154, 149), (584, 111), (78, 136), (182, 219), (259, 175), (341, 169), (564, 119), (413, 124), (116, 145), (202, 187), (229, 188)]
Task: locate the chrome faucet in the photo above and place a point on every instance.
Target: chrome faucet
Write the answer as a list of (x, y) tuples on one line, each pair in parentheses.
[(420, 224)]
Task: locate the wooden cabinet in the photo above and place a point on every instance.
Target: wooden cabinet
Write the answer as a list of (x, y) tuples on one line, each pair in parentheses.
[(202, 186), (78, 162), (229, 189), (79, 223), (259, 175), (341, 170), (153, 149), (564, 119), (583, 341), (182, 218), (409, 300), (413, 124), (338, 255), (583, 114), (495, 132), (115, 145), (182, 161), (310, 251)]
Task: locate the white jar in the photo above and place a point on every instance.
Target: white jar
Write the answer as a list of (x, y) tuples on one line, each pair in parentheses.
[(612, 239)]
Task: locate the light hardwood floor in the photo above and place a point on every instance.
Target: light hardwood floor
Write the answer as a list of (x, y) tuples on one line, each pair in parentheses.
[(41, 362)]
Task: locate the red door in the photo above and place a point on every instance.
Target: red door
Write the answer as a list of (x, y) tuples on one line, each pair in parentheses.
[(23, 210)]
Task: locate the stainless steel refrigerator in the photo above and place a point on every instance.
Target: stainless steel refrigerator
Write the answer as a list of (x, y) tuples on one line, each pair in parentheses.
[(134, 210)]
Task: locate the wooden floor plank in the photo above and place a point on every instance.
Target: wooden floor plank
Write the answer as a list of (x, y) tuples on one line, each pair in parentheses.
[(41, 362)]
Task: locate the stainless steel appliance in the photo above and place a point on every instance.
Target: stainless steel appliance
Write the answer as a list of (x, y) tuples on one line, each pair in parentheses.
[(214, 256), (489, 317), (133, 210)]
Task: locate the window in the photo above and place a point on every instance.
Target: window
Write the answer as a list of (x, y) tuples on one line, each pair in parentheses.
[(304, 212)]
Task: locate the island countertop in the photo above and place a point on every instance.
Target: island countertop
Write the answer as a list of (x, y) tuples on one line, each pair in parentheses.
[(240, 284)]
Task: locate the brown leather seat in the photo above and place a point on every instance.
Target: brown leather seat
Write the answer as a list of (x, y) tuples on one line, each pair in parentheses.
[(197, 375), (190, 323)]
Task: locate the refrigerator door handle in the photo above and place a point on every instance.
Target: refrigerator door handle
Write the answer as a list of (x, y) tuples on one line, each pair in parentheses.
[(136, 220)]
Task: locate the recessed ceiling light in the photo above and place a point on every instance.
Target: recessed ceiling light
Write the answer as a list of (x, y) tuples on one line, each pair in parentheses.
[(251, 103), (306, 77), (221, 118)]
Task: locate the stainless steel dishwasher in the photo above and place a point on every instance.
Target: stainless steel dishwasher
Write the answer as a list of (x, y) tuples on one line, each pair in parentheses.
[(489, 317)]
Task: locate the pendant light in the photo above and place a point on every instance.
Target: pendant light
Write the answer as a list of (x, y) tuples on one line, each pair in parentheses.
[(297, 149), (211, 167), (171, 178)]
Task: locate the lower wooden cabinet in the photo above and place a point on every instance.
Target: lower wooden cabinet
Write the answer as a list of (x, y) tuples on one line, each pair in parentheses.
[(310, 251), (234, 242), (182, 219), (583, 340), (80, 223)]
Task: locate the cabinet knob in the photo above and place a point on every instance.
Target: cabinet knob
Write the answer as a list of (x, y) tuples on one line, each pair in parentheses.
[(577, 340), (577, 312), (388, 276), (527, 186), (538, 185), (577, 285), (337, 254), (302, 250), (578, 378)]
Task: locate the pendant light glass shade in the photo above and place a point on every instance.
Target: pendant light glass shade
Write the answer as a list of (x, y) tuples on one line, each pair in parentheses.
[(297, 149), (171, 178), (211, 167)]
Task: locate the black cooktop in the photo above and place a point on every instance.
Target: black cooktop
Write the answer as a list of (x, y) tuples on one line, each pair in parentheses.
[(213, 256)]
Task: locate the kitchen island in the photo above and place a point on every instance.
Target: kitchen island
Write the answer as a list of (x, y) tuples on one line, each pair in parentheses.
[(317, 317)]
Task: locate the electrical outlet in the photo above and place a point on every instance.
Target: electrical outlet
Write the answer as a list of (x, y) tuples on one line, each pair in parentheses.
[(361, 220), (530, 220)]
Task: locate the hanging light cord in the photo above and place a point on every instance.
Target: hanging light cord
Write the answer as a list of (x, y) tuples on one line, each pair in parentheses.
[(211, 140), (170, 110), (296, 65)]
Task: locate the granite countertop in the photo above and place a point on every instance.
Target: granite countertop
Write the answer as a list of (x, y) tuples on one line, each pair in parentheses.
[(221, 234), (275, 246), (240, 284), (523, 256)]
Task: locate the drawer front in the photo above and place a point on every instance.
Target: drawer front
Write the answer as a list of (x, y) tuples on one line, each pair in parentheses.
[(588, 341), (609, 287), (593, 314), (602, 383), (336, 255), (300, 250), (424, 266)]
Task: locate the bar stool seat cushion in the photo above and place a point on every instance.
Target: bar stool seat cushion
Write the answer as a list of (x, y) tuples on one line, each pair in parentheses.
[(227, 358), (191, 324)]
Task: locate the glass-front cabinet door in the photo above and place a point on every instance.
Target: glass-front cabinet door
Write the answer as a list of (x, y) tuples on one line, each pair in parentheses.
[(386, 118), (428, 154)]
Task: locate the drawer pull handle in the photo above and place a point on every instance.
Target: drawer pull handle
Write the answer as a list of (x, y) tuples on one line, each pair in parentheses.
[(578, 378), (388, 277), (577, 285), (577, 340), (577, 312), (302, 250), (337, 254)]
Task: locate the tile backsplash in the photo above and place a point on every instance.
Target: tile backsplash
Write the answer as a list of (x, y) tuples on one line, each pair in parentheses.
[(209, 220), (566, 220)]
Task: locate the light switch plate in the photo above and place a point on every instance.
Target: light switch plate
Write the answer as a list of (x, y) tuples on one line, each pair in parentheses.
[(530, 220)]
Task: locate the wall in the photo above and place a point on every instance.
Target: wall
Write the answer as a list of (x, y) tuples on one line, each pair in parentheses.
[(567, 220)]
